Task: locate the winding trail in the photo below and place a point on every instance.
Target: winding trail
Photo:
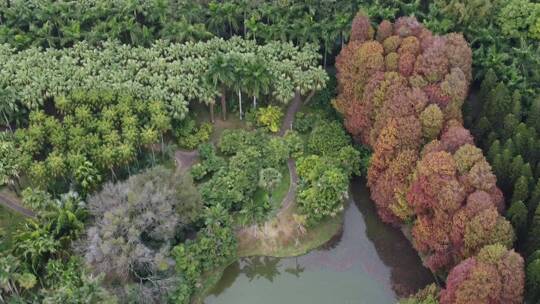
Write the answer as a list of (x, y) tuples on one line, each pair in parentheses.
[(12, 204), (285, 126)]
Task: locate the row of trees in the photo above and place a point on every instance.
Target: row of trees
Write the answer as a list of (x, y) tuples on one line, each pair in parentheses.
[(26, 23), (401, 94), (91, 136), (512, 145), (175, 74), (505, 41), (505, 122)]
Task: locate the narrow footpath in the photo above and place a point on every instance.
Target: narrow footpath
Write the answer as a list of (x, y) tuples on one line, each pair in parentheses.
[(15, 206), (286, 125)]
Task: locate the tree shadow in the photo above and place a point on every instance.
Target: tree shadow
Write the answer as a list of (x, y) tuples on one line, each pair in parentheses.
[(261, 267)]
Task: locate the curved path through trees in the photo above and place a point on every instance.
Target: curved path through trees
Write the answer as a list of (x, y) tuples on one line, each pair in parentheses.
[(185, 159), (286, 125), (12, 204)]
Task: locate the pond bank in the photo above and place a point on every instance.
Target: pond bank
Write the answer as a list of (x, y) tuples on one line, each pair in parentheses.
[(365, 262)]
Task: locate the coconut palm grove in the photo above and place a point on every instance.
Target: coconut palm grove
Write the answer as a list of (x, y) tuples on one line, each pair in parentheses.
[(270, 151)]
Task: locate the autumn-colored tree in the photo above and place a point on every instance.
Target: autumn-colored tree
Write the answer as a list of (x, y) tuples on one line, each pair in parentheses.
[(455, 137), (494, 275), (466, 157), (361, 29), (432, 121), (402, 95)]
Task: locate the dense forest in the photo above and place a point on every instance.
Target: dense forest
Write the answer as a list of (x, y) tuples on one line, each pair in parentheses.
[(146, 145)]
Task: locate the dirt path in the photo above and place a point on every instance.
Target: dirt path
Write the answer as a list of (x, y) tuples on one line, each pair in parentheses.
[(12, 204), (285, 126), (291, 113), (283, 227), (291, 194), (185, 159)]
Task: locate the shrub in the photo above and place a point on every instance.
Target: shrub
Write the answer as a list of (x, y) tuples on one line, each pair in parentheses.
[(323, 188), (194, 137), (276, 152), (327, 138), (295, 143), (233, 141), (270, 117), (305, 122), (214, 246), (198, 171)]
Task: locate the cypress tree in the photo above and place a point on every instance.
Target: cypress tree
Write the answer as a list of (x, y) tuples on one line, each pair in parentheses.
[(527, 172), (521, 189), (517, 214), (499, 168), (509, 126), (516, 168), (482, 127), (532, 203), (488, 83), (533, 278), (505, 165), (520, 143), (522, 128), (533, 239), (467, 110), (516, 104), (533, 115), (509, 145), (500, 101), (530, 150), (492, 136), (494, 149)]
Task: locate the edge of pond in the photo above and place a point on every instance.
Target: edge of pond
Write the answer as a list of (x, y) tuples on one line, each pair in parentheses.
[(314, 238)]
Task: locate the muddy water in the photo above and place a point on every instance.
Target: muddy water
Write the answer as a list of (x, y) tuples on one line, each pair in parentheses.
[(369, 262)]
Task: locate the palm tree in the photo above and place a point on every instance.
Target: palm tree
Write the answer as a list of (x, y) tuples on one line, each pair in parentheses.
[(10, 268), (329, 33), (35, 244), (8, 106), (65, 218), (258, 79), (241, 76), (221, 74), (216, 216), (10, 165)]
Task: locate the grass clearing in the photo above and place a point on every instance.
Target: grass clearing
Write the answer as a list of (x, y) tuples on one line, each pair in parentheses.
[(283, 237), (9, 223)]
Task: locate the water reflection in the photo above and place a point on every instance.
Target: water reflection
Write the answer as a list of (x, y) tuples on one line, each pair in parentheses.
[(394, 250), (368, 262)]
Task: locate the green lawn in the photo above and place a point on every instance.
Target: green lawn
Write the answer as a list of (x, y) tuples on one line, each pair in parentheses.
[(9, 222)]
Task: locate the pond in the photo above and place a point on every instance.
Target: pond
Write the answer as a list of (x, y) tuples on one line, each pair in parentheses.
[(369, 262)]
